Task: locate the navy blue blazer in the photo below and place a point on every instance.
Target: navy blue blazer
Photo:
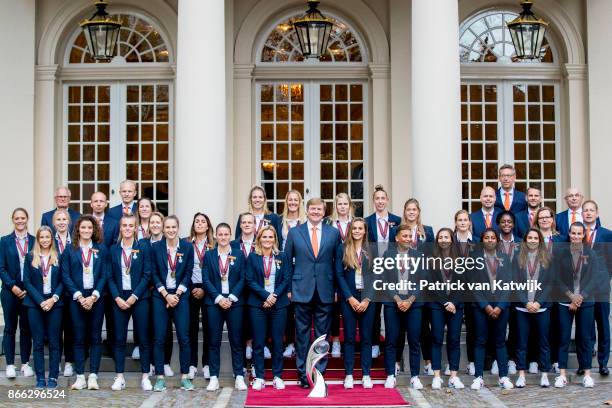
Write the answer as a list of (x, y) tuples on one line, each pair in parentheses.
[(111, 231), (394, 222), (592, 276), (72, 269), (479, 224), (10, 268), (33, 283), (211, 276), (603, 247), (519, 201), (562, 220), (270, 218), (116, 212), (235, 245), (346, 280), (256, 281), (437, 298), (310, 273), (498, 298), (392, 276), (521, 223), (545, 277), (140, 271), (47, 219), (159, 264)]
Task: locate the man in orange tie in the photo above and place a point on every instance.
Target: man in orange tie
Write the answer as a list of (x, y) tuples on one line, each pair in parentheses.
[(127, 191), (573, 199), (507, 197), (317, 250), (486, 217), (525, 219)]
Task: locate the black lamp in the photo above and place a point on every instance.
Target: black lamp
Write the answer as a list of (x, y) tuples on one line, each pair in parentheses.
[(527, 32), (313, 30), (101, 33)]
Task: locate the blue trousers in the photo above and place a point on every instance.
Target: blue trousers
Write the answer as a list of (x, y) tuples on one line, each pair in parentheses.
[(87, 324), (441, 318), (178, 314), (139, 312), (365, 321), (49, 324), (264, 321), (470, 330), (602, 320), (527, 325), (66, 343), (412, 321), (305, 313), (15, 314), (482, 324), (197, 316), (168, 348), (233, 318), (584, 340), (426, 337)]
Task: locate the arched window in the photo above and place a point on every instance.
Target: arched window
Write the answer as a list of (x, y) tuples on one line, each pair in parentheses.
[(282, 44), (120, 127), (506, 116)]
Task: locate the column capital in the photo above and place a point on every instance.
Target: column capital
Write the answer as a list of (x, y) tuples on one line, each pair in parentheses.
[(575, 71), (243, 71), (380, 71), (46, 72)]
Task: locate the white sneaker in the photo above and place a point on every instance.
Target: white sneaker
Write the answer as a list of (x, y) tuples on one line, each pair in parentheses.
[(471, 369), (533, 367), (249, 352), (151, 370), (427, 369), (213, 384), (289, 351), (520, 382), (555, 368), (494, 368), (92, 382), (455, 382), (416, 383), (375, 351), (239, 384), (206, 372), (278, 383), (26, 370), (560, 381), (258, 385), (168, 371), (348, 382), (511, 367), (336, 349), (146, 385), (390, 381), (447, 370), (193, 371), (80, 383), (366, 382), (588, 382), (136, 353), (11, 372), (436, 383), (477, 384), (68, 370), (267, 354), (118, 384), (505, 383), (544, 383)]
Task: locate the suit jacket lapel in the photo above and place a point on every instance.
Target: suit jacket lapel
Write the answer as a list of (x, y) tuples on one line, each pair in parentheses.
[(305, 234)]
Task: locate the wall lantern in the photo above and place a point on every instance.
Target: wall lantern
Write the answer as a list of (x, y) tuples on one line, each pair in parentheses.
[(527, 32), (101, 33), (313, 30)]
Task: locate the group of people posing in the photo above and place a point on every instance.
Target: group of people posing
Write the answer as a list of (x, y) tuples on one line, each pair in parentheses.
[(273, 277)]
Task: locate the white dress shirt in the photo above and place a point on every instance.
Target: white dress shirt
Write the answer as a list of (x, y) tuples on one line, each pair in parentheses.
[(196, 276), (88, 278), (24, 245), (272, 278), (170, 281), (126, 280), (46, 282)]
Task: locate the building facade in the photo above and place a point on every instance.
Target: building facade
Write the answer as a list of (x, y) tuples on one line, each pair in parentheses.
[(207, 98)]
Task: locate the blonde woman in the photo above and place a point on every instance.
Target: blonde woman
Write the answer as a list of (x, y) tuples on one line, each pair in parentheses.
[(293, 214), (258, 206)]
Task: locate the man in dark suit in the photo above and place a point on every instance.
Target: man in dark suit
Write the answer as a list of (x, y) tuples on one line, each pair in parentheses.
[(486, 217), (317, 251), (507, 197), (62, 201), (563, 220), (525, 219), (108, 225), (127, 191)]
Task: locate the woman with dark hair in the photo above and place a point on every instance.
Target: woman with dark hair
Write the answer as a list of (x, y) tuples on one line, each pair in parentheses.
[(145, 208), (84, 273)]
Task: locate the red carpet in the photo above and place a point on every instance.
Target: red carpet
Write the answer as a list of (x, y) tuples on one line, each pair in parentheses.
[(294, 396)]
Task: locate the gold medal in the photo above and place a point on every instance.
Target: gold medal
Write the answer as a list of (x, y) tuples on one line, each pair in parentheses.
[(87, 270), (127, 271), (358, 271), (46, 280), (267, 282), (224, 278)]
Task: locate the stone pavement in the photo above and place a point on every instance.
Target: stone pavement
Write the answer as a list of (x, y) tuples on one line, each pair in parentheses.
[(532, 396)]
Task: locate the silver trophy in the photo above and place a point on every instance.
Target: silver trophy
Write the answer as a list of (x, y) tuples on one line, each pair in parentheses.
[(318, 349)]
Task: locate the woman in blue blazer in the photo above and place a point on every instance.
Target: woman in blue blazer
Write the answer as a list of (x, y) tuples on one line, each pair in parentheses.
[(258, 206), (403, 304), (128, 283), (490, 311), (84, 273), (172, 260), (268, 274), (533, 263), (545, 222), (13, 249), (446, 311), (43, 281), (580, 274), (223, 279), (356, 295)]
